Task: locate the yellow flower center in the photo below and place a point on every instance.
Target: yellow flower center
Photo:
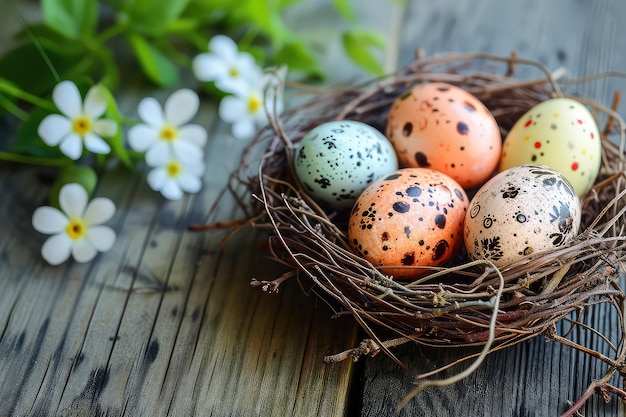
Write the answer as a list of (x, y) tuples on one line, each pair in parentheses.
[(81, 125), (76, 229), (173, 169), (168, 133), (233, 72), (254, 103)]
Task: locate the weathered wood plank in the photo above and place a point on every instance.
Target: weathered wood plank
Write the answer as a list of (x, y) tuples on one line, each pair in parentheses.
[(156, 326), (535, 378)]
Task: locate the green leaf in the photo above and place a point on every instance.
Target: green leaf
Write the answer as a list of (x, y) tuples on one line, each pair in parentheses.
[(154, 63), (25, 66), (82, 175), (73, 18), (117, 141), (298, 58), (358, 44), (154, 16), (345, 9)]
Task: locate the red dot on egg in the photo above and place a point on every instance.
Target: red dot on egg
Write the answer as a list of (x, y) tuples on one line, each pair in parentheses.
[(580, 122), (528, 123), (574, 166), (537, 145), (592, 136)]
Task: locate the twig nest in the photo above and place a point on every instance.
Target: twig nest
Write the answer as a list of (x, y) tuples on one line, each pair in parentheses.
[(465, 302)]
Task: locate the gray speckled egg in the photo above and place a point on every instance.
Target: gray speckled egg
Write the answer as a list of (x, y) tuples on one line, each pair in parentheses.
[(522, 210), (337, 160)]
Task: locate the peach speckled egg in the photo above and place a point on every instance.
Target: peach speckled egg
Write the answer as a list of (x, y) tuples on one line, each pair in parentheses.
[(445, 128), (560, 133), (411, 217), (522, 210)]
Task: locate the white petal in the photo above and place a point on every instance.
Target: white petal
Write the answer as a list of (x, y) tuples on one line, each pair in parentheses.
[(150, 112), (181, 106), (53, 128), (187, 152), (141, 136), (67, 98), (234, 85), (49, 220), (209, 67), (156, 178), (73, 200), (72, 146), (96, 101), (232, 108), (244, 129), (171, 190), (57, 249), (223, 46), (96, 144), (105, 127), (99, 210), (159, 154), (83, 250), (189, 183), (102, 238), (195, 134)]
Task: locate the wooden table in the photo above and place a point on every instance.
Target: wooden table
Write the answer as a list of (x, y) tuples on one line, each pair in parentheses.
[(166, 324)]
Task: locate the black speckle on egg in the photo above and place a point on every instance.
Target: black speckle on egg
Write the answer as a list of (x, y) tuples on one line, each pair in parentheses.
[(469, 106), (421, 242), (392, 177), (407, 129), (408, 259), (385, 236), (407, 232), (421, 159), (462, 128), (459, 194), (413, 191), (401, 207), (520, 218), (440, 221), (440, 250)]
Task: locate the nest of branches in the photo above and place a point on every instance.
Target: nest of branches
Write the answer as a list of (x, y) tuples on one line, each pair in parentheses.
[(471, 303)]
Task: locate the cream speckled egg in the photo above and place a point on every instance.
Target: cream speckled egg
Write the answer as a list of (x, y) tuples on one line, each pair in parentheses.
[(337, 160), (560, 133), (444, 127), (521, 210), (412, 217)]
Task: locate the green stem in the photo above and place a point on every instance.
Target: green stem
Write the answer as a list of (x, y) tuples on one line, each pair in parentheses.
[(33, 160), (23, 95), (111, 32)]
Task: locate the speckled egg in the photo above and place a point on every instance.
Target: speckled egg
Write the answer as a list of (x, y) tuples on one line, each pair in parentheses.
[(412, 217), (337, 160), (522, 210), (560, 133), (443, 127)]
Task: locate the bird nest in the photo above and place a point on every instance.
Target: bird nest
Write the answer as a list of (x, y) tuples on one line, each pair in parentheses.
[(471, 303)]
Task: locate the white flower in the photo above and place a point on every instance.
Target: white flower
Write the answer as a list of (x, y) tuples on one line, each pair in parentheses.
[(80, 122), (170, 176), (231, 71), (164, 130), (247, 111), (76, 230)]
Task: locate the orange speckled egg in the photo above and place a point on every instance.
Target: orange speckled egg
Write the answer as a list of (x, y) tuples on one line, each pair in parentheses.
[(412, 217), (443, 127)]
